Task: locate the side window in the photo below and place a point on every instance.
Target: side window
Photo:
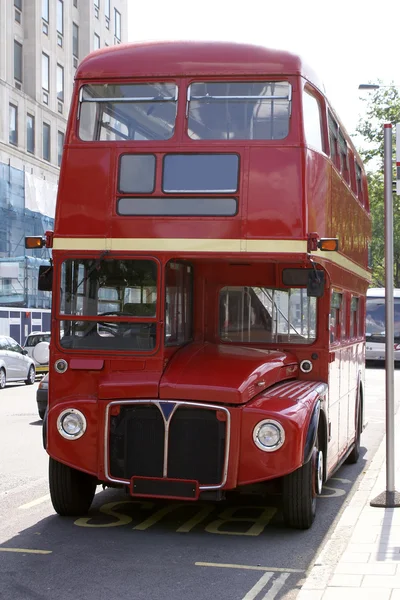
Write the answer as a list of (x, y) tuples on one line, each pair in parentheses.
[(344, 159), (178, 303), (335, 317), (359, 183), (355, 330), (312, 121), (333, 140), (13, 346)]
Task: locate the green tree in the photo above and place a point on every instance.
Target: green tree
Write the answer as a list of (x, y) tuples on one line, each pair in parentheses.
[(382, 106)]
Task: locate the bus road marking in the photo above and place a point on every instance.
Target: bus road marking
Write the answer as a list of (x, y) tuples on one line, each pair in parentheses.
[(26, 550), (276, 587), (248, 567), (258, 587), (35, 502)]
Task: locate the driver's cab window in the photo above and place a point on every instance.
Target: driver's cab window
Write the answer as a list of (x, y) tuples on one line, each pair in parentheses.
[(178, 303)]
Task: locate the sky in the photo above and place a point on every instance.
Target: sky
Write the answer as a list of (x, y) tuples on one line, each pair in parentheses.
[(347, 42)]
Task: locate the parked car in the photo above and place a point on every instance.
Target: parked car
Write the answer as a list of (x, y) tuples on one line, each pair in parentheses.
[(37, 345), (15, 364), (42, 395)]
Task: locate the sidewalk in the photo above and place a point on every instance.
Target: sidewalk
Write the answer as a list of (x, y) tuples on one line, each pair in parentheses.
[(361, 559)]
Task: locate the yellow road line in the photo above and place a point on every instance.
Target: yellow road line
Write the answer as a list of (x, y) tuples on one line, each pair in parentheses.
[(35, 502), (248, 567), (26, 550)]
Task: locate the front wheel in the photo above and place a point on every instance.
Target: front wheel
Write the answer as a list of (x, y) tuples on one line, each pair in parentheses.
[(31, 376), (355, 453), (300, 490), (2, 379), (71, 491)]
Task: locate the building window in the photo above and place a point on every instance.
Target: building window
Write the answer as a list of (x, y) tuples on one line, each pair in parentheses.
[(17, 11), (96, 42), (45, 10), (60, 145), (76, 3), (45, 77), (17, 61), (30, 133), (117, 24), (13, 125), (46, 141), (60, 22), (107, 8), (96, 8), (75, 40), (60, 83)]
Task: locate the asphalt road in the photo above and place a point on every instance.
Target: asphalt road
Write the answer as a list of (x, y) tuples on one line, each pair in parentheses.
[(145, 550)]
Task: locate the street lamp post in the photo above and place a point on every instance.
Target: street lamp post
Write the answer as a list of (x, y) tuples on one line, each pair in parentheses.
[(389, 498)]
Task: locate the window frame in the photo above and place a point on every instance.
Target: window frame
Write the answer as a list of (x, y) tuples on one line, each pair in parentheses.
[(13, 110), (30, 116), (46, 127), (18, 68)]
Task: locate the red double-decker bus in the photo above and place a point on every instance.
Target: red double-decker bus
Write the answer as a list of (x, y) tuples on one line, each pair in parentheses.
[(210, 267)]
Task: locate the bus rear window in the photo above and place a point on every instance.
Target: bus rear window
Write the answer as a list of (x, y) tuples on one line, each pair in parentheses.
[(239, 110), (112, 112)]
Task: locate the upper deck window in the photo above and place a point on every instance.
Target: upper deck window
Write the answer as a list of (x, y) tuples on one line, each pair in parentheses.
[(112, 112), (312, 121), (239, 110), (203, 173)]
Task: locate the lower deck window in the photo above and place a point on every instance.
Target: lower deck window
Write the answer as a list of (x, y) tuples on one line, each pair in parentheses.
[(266, 315)]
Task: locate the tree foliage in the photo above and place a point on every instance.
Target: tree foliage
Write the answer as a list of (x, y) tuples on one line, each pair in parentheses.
[(382, 106)]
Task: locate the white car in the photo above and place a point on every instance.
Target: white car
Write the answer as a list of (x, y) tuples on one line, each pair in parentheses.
[(37, 345), (15, 364)]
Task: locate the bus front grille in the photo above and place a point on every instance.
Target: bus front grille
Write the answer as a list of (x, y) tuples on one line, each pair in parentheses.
[(194, 439)]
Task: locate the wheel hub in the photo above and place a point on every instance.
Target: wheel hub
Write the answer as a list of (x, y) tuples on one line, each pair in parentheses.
[(319, 471)]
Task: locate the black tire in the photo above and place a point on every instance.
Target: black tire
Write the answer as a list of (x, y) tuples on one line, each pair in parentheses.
[(71, 491), (31, 376), (355, 453), (3, 379), (42, 412), (299, 492)]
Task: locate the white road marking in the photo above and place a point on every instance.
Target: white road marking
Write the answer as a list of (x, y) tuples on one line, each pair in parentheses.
[(260, 585), (248, 567), (276, 587), (35, 502), (26, 550)]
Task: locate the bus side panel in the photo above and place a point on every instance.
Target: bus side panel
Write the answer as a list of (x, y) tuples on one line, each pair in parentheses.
[(275, 199)]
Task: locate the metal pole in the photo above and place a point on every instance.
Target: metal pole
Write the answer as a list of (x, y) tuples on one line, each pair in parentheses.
[(389, 303), (390, 498)]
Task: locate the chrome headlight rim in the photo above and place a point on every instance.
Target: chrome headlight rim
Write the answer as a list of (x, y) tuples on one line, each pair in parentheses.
[(256, 432), (60, 420), (61, 365)]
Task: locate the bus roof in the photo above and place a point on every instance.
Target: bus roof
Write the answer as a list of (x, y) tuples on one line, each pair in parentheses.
[(380, 293), (192, 59)]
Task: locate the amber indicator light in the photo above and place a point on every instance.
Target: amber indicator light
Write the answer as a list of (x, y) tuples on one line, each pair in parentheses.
[(328, 244), (34, 242)]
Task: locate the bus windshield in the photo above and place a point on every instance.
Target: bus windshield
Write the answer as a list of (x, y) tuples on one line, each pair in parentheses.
[(104, 289), (375, 319), (113, 112), (258, 314)]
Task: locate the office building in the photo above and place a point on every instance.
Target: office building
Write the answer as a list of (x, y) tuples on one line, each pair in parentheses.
[(41, 45)]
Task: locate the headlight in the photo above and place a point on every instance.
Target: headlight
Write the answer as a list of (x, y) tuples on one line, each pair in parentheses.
[(268, 435), (71, 424)]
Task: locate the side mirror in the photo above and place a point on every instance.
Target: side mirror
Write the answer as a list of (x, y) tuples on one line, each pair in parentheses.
[(25, 352), (45, 283), (315, 283)]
